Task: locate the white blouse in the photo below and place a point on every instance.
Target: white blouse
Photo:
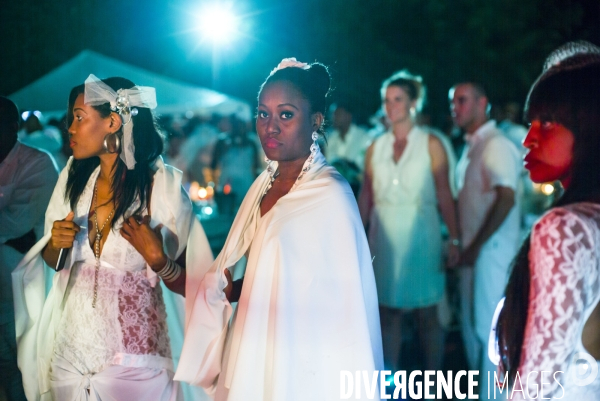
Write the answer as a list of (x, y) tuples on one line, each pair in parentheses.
[(565, 288), (128, 325)]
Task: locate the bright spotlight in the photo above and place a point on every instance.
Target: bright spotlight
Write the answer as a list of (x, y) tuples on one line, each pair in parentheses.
[(218, 23), (547, 189)]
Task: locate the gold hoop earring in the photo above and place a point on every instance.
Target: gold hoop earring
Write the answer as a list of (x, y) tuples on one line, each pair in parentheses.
[(112, 143)]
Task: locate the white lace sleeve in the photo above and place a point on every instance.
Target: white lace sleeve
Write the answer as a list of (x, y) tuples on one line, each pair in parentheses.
[(561, 256)]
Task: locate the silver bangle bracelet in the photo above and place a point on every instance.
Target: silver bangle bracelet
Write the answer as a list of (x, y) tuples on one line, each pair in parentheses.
[(170, 272)]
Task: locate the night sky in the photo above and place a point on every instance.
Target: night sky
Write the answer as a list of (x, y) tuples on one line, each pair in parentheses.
[(501, 43)]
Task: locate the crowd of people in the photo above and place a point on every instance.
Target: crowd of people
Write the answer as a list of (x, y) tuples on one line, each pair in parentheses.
[(110, 290)]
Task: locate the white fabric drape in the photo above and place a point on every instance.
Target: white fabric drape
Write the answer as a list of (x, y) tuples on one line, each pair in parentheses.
[(37, 315), (308, 308)]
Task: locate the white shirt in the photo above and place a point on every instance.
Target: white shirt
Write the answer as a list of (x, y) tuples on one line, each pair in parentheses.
[(488, 160), (27, 178), (352, 147)]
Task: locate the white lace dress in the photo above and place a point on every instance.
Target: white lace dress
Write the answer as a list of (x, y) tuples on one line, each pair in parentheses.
[(119, 349), (565, 289)]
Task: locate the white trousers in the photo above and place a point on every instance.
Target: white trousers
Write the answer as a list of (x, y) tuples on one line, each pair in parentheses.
[(113, 383), (481, 288)]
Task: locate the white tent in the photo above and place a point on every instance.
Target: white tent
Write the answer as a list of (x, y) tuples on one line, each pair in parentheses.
[(49, 94)]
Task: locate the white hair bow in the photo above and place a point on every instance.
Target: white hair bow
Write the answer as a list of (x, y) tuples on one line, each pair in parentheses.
[(124, 102)]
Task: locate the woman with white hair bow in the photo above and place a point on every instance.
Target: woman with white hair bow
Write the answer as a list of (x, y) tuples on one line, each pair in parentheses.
[(124, 221)]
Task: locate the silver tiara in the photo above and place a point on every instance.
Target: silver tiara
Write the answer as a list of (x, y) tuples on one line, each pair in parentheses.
[(572, 55)]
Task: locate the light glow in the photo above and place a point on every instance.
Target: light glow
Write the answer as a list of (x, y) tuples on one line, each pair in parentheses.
[(547, 189), (218, 24)]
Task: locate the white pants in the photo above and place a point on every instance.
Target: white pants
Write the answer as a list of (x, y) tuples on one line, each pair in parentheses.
[(113, 383), (481, 288)]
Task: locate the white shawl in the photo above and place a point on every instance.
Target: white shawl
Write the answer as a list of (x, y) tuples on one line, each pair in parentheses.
[(37, 316), (308, 308)]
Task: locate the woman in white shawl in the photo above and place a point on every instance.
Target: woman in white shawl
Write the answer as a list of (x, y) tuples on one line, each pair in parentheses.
[(101, 334), (307, 307)]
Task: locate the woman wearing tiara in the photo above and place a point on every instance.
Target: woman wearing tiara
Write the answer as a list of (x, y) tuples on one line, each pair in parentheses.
[(307, 308), (124, 219), (549, 328)]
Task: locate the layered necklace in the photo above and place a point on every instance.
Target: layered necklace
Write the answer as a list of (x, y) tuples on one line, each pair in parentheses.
[(97, 241)]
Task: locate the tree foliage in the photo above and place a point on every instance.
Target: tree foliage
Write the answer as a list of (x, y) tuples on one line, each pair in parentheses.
[(501, 43)]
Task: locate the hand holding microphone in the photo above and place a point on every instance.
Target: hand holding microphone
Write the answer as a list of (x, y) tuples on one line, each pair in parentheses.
[(63, 235)]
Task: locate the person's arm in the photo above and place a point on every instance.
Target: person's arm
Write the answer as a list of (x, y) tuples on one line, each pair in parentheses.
[(561, 262), (502, 167), (233, 290), (63, 235), (29, 200), (446, 203), (504, 202), (149, 243), (218, 151), (365, 198)]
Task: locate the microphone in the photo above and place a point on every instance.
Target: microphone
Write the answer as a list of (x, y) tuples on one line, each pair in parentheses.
[(62, 258)]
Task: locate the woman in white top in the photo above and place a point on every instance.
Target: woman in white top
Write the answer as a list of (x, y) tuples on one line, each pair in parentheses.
[(307, 309), (550, 321), (406, 187), (101, 334)]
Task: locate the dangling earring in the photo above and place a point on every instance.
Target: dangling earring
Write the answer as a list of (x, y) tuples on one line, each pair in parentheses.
[(314, 148), (413, 112), (112, 143)]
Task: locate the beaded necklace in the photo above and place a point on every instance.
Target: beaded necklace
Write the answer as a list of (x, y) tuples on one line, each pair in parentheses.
[(97, 241)]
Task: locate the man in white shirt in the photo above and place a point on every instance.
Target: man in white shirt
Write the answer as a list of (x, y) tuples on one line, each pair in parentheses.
[(48, 138), (488, 184), (27, 178), (347, 141)]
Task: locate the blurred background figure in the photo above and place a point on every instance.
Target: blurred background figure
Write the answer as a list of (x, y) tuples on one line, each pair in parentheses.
[(488, 175), (47, 138), (511, 124), (346, 145), (406, 188), (347, 140), (380, 124), (65, 151), (174, 140), (27, 178), (195, 153), (235, 162)]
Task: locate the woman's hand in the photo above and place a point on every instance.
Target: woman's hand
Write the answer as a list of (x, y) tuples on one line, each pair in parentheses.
[(453, 256), (469, 256), (63, 232), (229, 287), (63, 235), (147, 241)]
